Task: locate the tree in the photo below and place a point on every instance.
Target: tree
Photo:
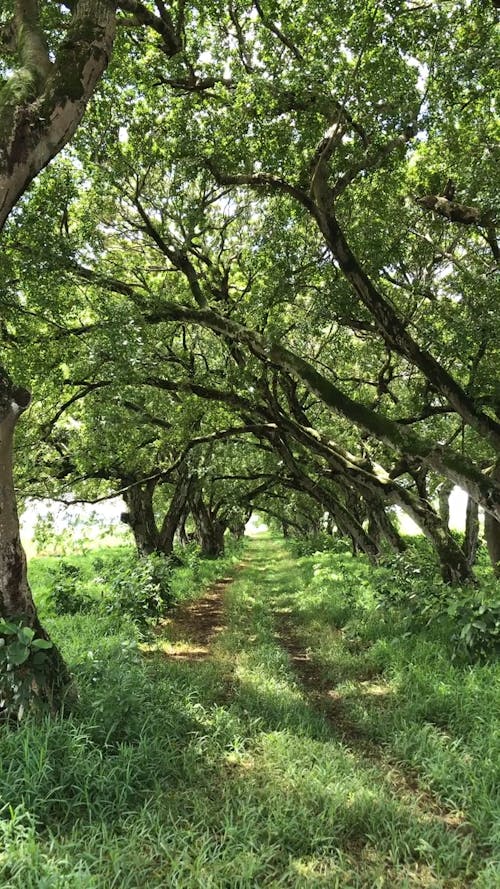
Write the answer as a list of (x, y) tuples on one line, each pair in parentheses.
[(279, 207), (49, 81)]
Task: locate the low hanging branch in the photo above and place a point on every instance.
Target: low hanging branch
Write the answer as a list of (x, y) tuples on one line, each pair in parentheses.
[(320, 205), (454, 466)]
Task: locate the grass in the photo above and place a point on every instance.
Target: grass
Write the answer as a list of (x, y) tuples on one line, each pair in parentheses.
[(402, 690), (226, 773), (42, 570)]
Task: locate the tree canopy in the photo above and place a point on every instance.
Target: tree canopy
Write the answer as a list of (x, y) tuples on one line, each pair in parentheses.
[(260, 271)]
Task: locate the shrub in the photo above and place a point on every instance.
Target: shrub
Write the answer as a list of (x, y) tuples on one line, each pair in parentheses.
[(318, 543), (141, 590), (65, 597), (23, 660), (477, 634)]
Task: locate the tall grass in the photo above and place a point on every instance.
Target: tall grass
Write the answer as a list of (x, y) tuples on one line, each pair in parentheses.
[(221, 773)]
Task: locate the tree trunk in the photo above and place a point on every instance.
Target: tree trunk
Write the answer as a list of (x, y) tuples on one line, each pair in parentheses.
[(41, 104), (237, 529), (389, 531), (174, 514), (16, 601), (492, 531), (212, 540), (471, 536), (210, 530), (361, 541), (141, 518), (210, 534), (182, 534), (453, 564), (374, 531), (37, 124), (444, 492), (492, 534), (16, 595)]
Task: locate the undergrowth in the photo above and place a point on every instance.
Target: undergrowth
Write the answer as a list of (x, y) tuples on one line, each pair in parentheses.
[(414, 666), (223, 774)]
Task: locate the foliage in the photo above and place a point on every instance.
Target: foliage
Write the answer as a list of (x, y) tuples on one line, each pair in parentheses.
[(181, 252), (65, 597), (225, 772), (23, 666), (407, 588), (317, 543), (112, 581), (141, 589), (477, 619)]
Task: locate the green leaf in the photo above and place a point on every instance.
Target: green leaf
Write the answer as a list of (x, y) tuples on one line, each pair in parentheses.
[(25, 635), (17, 653), (7, 628), (41, 644)]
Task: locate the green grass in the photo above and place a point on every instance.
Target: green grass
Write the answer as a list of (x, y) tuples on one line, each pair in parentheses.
[(402, 689), (96, 572), (222, 774), (43, 569)]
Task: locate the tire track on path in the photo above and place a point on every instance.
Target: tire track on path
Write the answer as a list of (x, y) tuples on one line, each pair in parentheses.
[(325, 699)]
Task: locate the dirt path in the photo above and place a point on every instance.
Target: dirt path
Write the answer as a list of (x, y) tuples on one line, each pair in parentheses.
[(188, 635), (189, 632), (193, 627), (404, 784)]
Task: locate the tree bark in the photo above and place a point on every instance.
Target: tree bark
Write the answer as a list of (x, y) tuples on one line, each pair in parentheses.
[(209, 528), (444, 492), (174, 514), (380, 520), (492, 532), (471, 536), (210, 535), (141, 517), (182, 534), (16, 601), (36, 125), (16, 595)]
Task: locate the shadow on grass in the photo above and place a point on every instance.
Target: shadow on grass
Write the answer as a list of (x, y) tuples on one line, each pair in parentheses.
[(213, 773)]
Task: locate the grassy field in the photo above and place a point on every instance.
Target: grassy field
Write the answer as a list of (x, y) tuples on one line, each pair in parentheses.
[(318, 744)]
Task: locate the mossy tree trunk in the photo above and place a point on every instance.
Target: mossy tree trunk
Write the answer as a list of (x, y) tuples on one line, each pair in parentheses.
[(209, 527), (444, 492), (16, 601), (471, 535), (492, 532), (175, 515), (141, 518), (43, 101), (41, 104)]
